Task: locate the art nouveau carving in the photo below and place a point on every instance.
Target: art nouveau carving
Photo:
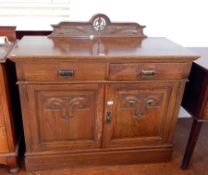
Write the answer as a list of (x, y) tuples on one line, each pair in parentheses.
[(139, 104), (66, 105)]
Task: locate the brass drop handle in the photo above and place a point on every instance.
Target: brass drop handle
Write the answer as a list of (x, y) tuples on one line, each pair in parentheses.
[(148, 73), (108, 117), (65, 73)]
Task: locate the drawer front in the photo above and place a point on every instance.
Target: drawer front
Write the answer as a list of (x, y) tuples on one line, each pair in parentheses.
[(3, 140), (146, 71), (61, 71)]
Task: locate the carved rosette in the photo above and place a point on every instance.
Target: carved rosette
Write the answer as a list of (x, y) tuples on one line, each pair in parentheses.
[(66, 105), (99, 22), (139, 104)]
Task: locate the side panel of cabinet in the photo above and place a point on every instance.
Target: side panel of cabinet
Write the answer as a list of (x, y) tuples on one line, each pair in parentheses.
[(1, 113), (7, 132), (3, 141), (139, 114), (62, 117)]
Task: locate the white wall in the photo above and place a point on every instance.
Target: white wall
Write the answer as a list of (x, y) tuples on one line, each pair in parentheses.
[(183, 21)]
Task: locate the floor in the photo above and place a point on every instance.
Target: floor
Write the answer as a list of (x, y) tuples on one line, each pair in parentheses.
[(198, 166)]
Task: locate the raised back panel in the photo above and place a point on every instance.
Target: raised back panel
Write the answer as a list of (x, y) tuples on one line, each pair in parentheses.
[(98, 26)]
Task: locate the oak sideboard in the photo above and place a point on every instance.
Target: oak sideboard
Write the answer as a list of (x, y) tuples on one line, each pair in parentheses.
[(99, 93)]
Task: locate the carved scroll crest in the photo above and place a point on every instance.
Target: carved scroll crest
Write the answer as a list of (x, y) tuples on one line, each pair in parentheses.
[(98, 26)]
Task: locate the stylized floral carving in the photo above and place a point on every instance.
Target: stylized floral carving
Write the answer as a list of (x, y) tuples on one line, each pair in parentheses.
[(139, 104), (66, 105)]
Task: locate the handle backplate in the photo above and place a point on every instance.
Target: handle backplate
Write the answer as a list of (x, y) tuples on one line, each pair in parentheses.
[(65, 73), (148, 73)]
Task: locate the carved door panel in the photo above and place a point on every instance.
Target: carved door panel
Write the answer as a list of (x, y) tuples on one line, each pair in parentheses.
[(65, 117), (138, 114)]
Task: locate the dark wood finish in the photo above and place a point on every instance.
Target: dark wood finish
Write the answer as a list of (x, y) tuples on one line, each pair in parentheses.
[(196, 100), (76, 112), (196, 96), (195, 130), (20, 34), (9, 131)]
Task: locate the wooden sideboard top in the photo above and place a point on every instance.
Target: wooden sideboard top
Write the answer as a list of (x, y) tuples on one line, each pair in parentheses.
[(32, 48), (203, 52), (99, 39)]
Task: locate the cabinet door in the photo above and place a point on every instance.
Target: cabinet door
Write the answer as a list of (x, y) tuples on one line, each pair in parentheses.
[(139, 115), (62, 117)]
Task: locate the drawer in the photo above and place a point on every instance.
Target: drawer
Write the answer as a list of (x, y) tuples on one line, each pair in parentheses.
[(3, 140), (146, 71), (61, 71)]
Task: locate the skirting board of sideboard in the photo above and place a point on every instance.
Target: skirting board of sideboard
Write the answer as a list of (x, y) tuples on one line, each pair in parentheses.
[(67, 159), (11, 158)]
